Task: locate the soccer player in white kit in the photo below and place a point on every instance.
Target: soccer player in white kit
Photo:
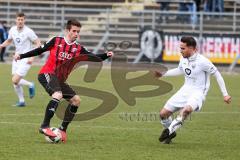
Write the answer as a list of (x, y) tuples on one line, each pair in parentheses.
[(23, 37), (190, 97)]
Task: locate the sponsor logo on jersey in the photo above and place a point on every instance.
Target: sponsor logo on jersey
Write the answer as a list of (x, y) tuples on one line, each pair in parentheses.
[(63, 55), (18, 40), (74, 50), (188, 71)]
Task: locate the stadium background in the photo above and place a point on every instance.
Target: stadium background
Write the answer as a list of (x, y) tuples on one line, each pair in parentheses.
[(109, 21)]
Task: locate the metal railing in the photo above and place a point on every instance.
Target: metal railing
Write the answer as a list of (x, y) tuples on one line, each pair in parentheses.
[(149, 18), (120, 23)]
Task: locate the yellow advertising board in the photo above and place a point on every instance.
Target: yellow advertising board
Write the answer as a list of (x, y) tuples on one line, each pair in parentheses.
[(219, 49)]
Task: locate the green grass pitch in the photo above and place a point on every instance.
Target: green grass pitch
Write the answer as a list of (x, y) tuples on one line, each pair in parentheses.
[(126, 133)]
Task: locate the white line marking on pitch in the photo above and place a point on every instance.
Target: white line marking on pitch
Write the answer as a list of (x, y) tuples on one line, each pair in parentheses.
[(121, 113)]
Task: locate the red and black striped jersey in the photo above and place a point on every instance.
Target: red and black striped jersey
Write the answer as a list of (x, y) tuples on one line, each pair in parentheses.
[(63, 56)]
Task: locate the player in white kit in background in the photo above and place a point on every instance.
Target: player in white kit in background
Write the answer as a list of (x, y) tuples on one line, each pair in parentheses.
[(190, 97), (23, 38)]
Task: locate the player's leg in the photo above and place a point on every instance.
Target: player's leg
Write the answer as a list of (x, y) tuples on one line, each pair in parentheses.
[(194, 103), (2, 54), (51, 108), (165, 116), (22, 71), (166, 120), (70, 112), (178, 122), (74, 102), (19, 70), (17, 88), (173, 104), (51, 85)]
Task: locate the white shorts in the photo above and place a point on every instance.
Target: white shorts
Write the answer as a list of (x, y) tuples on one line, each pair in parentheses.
[(20, 67), (184, 97)]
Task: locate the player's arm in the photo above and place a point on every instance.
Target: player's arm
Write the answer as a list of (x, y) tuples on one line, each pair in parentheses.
[(37, 43), (6, 43), (222, 87), (171, 72), (211, 69), (101, 56), (37, 51)]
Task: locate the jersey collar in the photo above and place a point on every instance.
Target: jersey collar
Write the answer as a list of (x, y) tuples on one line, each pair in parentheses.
[(193, 57), (19, 31), (68, 42)]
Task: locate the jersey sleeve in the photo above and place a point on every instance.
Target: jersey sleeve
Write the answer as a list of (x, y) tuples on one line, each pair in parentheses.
[(221, 83), (208, 66), (37, 51), (10, 34), (101, 56), (32, 35), (173, 72)]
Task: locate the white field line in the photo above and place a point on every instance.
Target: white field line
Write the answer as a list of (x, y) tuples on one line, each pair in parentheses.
[(120, 113), (107, 127), (44, 94), (79, 126)]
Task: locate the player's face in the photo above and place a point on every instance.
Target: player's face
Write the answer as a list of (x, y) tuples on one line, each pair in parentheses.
[(73, 33), (186, 51), (20, 21)]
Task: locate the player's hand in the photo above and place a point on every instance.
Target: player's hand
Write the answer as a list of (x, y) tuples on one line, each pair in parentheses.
[(157, 74), (30, 60), (227, 99), (16, 57), (110, 54)]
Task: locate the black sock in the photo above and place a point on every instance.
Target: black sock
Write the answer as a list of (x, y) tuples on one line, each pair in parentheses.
[(68, 117), (50, 110)]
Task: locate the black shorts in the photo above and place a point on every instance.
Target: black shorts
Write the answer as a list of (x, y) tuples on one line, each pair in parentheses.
[(51, 84)]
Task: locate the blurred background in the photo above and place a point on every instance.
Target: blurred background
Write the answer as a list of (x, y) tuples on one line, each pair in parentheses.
[(144, 30)]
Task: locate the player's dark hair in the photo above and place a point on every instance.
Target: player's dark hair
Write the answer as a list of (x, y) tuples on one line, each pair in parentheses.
[(20, 14), (190, 41), (73, 22)]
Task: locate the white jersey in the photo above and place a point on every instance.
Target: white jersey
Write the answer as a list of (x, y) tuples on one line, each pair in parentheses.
[(197, 70), (23, 39)]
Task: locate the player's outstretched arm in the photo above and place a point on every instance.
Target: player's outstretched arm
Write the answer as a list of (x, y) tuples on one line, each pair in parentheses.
[(39, 50), (37, 43), (227, 99), (16, 57), (171, 72), (101, 56), (6, 43), (221, 84), (110, 54)]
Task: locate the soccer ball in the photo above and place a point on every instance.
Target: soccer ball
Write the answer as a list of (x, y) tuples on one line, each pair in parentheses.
[(54, 139)]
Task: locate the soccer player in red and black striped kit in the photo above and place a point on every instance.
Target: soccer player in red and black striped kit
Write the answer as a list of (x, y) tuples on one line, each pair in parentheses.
[(63, 51)]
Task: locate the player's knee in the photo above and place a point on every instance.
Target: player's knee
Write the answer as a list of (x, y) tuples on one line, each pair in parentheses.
[(163, 115), (57, 95), (187, 110), (15, 81), (76, 100)]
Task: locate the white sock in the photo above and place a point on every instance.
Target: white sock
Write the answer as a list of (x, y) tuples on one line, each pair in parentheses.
[(19, 92), (25, 83), (166, 122), (177, 123)]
